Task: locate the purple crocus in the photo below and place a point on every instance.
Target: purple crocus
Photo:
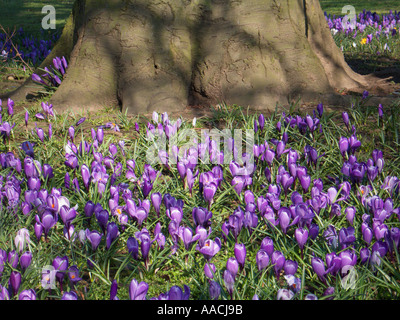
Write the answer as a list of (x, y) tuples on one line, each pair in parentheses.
[(210, 248), (201, 217), (176, 293), (94, 237), (319, 268), (28, 294), (133, 247), (114, 290), (138, 291), (15, 282), (209, 270), (232, 266), (60, 264), (262, 259), (214, 290), (267, 244), (25, 260), (69, 295), (240, 254), (187, 237), (229, 281), (156, 199), (73, 275), (278, 261), (301, 235), (290, 267), (112, 234)]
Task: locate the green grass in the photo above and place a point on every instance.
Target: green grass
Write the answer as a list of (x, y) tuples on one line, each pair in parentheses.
[(335, 6), (28, 14)]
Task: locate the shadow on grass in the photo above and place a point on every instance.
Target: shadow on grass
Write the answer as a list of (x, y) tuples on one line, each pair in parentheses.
[(381, 66), (28, 14)]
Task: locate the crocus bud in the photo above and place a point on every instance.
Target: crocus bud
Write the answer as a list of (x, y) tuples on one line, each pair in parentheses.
[(209, 270), (214, 290), (71, 133), (278, 260), (262, 259), (240, 254), (138, 291), (318, 267), (345, 117), (28, 294), (229, 281), (267, 244), (25, 260), (94, 237), (350, 214), (232, 266), (15, 282)]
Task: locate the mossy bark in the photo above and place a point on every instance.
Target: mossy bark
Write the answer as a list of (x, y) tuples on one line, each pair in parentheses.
[(145, 55)]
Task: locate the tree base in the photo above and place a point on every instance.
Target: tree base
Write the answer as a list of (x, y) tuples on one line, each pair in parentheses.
[(150, 55)]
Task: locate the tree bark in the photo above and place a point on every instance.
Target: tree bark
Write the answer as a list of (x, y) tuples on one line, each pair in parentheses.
[(146, 55)]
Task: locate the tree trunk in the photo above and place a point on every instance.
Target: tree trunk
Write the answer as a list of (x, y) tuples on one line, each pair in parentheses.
[(145, 55)]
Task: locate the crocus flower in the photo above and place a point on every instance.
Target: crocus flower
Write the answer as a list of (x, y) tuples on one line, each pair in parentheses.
[(94, 237), (187, 237), (112, 233), (267, 244), (15, 282), (201, 216), (47, 171), (229, 281), (301, 235), (350, 214), (240, 254), (176, 293), (67, 215), (214, 290), (346, 237), (278, 262), (156, 199), (133, 247), (73, 274), (22, 239), (345, 117), (138, 291), (343, 145), (69, 295), (318, 267), (102, 217), (293, 282), (145, 243), (60, 264), (209, 191), (85, 172), (25, 260), (210, 248), (290, 267), (209, 270), (284, 218), (28, 294), (262, 259), (114, 290), (348, 260), (284, 294)]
